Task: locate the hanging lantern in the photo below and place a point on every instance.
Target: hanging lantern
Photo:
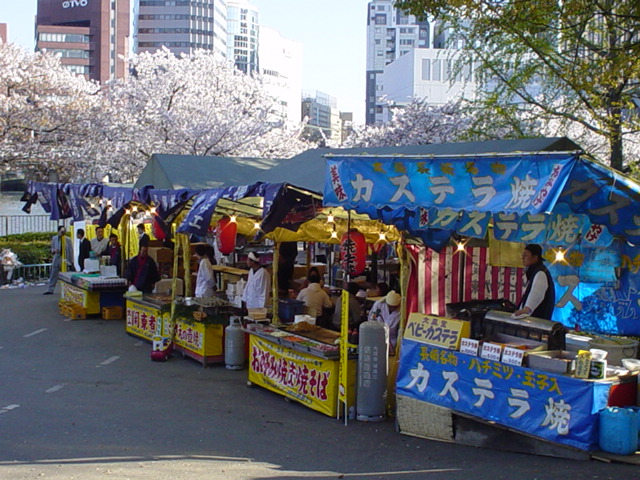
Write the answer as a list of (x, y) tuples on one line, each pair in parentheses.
[(353, 247), (226, 235)]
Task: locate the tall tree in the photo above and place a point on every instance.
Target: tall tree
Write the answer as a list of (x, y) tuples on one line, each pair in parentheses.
[(570, 60), (196, 105), (45, 113)]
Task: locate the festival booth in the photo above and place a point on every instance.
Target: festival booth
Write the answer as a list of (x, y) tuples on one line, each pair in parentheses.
[(486, 378)]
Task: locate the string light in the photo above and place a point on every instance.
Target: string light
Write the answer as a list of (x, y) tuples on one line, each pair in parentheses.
[(382, 237), (134, 209), (330, 217), (460, 247), (559, 255), (233, 218), (334, 234), (153, 210), (256, 226), (127, 211)]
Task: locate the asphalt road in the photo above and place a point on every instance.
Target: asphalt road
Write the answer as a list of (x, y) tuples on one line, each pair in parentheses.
[(83, 400)]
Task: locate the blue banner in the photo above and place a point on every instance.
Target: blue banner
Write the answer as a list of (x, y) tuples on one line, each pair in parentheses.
[(553, 407), (507, 184)]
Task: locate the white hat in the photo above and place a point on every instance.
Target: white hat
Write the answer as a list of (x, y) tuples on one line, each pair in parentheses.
[(254, 257), (393, 299)]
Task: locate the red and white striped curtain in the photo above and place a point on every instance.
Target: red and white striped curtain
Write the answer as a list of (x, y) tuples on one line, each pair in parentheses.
[(451, 276)]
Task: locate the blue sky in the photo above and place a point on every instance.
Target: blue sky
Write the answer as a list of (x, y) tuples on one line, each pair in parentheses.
[(332, 32)]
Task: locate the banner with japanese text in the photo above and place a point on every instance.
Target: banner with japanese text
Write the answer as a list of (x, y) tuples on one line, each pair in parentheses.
[(143, 320), (510, 184), (553, 407), (308, 379)]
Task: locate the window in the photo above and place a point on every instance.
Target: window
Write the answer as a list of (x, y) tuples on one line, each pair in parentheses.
[(381, 19), (63, 38)]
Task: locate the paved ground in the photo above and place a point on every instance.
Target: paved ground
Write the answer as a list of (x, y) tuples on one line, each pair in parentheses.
[(81, 399)]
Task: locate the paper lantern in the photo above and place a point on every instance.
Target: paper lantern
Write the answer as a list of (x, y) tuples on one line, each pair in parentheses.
[(226, 235), (354, 252)]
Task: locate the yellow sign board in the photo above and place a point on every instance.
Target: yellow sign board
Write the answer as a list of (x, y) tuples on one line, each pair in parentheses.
[(80, 296), (440, 331), (203, 339), (308, 379), (144, 321)]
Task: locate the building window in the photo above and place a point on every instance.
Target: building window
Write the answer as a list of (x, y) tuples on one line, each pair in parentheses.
[(381, 19), (63, 37)]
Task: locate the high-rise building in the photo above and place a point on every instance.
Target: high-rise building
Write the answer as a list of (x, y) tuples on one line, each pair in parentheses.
[(182, 26), (91, 36), (323, 116), (3, 33), (280, 61), (242, 35), (426, 71)]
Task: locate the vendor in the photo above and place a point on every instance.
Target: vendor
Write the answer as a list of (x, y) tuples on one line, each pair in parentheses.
[(539, 296), (256, 291), (115, 252), (142, 272), (387, 311), (205, 281), (100, 244), (355, 309), (315, 298)]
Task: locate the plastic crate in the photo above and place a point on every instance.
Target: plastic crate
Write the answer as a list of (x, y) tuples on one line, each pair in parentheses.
[(112, 313), (77, 312), (289, 308)]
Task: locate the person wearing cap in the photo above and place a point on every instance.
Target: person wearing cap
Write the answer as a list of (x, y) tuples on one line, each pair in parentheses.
[(256, 291), (539, 295), (387, 310)]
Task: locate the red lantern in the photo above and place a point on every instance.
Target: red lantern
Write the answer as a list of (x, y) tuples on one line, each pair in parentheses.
[(226, 235), (354, 252)]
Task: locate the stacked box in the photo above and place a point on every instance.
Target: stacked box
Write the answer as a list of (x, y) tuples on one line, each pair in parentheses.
[(112, 313), (77, 312)]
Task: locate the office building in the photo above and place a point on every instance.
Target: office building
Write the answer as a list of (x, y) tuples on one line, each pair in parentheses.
[(91, 37), (182, 26), (4, 36), (323, 116), (280, 67), (242, 35), (426, 72)]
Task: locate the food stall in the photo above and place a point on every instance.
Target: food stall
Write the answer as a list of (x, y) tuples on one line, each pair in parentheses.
[(91, 293), (470, 216)]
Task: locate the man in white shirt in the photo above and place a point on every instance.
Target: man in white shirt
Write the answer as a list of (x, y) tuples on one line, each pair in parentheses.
[(256, 291), (387, 311), (539, 296), (100, 244)]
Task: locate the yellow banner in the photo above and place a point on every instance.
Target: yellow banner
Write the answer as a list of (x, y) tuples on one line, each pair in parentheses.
[(144, 321), (344, 347), (307, 379), (204, 340), (440, 331)]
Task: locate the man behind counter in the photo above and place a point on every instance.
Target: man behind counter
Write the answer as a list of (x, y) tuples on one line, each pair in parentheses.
[(539, 296), (387, 311)]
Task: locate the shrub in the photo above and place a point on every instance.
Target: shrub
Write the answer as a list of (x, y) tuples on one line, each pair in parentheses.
[(31, 248)]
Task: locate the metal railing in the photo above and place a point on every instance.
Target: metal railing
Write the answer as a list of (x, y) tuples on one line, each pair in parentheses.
[(14, 224), (32, 273)]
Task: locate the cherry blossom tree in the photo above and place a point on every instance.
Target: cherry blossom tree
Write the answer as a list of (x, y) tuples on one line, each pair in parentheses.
[(45, 114), (195, 104), (417, 123)]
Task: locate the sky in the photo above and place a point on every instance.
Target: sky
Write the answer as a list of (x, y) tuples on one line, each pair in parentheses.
[(332, 33)]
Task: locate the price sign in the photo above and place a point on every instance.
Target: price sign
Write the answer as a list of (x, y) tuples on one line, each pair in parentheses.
[(469, 346), (512, 356), (491, 351)]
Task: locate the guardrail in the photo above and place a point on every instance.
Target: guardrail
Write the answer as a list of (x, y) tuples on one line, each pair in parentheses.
[(14, 224), (32, 273)]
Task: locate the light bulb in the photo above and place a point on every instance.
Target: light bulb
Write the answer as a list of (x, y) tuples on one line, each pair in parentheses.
[(256, 226), (153, 210), (134, 209), (559, 255), (233, 218), (334, 234), (382, 237), (460, 246), (127, 211), (330, 218)]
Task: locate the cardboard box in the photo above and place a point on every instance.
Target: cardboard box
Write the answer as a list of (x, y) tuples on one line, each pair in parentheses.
[(165, 285)]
